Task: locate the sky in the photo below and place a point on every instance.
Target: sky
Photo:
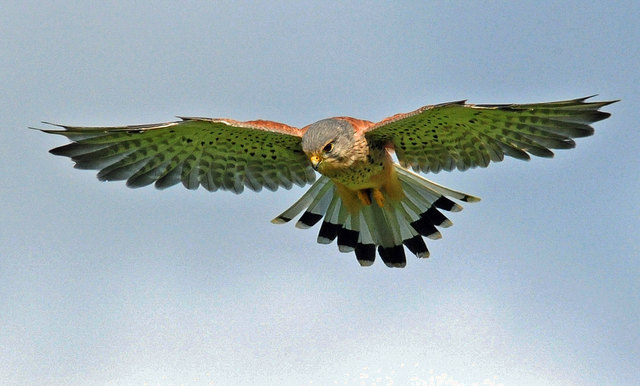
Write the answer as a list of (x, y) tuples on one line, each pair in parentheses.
[(102, 284)]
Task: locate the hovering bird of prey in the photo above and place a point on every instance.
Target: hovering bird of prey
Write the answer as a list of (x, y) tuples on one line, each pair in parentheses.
[(365, 200)]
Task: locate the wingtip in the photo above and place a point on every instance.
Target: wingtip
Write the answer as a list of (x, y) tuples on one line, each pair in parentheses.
[(595, 95), (598, 105), (51, 131)]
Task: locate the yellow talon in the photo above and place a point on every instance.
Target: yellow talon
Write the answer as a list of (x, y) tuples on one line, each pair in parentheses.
[(379, 197), (364, 197)]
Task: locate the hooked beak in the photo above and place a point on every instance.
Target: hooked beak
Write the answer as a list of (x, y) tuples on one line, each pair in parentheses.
[(315, 161)]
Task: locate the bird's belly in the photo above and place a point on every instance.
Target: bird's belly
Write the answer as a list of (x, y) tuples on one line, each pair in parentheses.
[(359, 176)]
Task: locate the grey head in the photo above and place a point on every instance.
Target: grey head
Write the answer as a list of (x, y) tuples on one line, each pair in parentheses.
[(330, 136), (328, 141)]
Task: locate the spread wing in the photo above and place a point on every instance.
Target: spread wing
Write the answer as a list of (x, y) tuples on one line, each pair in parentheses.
[(458, 135), (215, 153)]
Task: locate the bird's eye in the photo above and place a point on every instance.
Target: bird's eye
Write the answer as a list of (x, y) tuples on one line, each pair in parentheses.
[(328, 147)]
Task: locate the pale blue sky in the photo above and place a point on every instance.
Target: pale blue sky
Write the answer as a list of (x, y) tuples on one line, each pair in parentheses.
[(536, 284)]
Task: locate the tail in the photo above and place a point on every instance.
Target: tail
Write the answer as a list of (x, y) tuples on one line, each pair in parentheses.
[(386, 229)]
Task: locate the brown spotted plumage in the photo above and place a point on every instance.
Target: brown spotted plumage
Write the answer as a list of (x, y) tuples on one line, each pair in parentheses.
[(364, 199)]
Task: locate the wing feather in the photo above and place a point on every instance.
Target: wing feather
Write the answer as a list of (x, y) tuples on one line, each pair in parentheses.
[(213, 153), (457, 135)]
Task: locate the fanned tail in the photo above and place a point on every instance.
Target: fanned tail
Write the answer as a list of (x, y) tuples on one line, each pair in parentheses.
[(386, 229)]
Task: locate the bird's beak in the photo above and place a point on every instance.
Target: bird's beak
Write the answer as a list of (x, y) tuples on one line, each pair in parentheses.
[(315, 161)]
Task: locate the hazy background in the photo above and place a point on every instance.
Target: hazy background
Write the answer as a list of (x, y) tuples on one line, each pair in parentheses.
[(536, 284)]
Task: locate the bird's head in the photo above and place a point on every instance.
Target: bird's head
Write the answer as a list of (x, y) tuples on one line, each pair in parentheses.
[(327, 143)]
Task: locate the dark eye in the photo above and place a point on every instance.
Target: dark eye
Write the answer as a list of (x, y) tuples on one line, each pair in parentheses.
[(328, 147)]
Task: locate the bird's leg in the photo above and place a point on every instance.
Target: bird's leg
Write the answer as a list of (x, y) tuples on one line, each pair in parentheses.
[(378, 197), (366, 195), (363, 195)]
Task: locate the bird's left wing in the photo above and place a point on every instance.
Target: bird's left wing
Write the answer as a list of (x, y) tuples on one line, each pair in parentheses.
[(460, 136), (215, 153)]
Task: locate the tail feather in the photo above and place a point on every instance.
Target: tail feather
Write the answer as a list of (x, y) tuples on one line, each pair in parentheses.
[(317, 208), (391, 251), (347, 239), (405, 174), (328, 232), (365, 234), (330, 227), (393, 256), (387, 229), (426, 228), (349, 234), (365, 249), (305, 201), (366, 254), (417, 246)]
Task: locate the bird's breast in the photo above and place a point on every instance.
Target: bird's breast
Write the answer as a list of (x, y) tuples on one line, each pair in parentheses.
[(364, 173)]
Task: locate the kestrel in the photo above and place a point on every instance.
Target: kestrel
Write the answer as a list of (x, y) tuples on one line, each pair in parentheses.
[(365, 200)]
